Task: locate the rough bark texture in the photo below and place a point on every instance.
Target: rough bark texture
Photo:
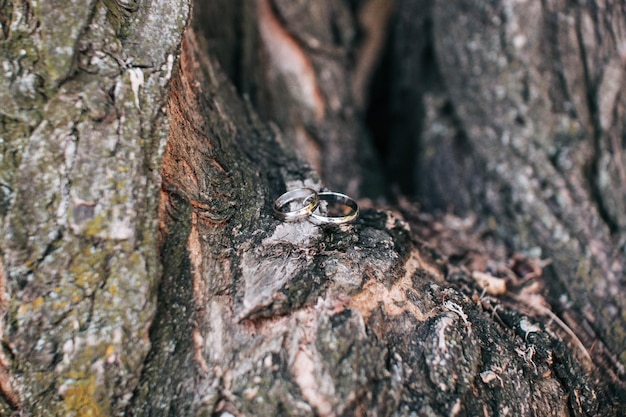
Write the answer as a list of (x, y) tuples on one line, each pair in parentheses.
[(517, 111), (510, 110), (83, 130), (260, 317), (398, 314)]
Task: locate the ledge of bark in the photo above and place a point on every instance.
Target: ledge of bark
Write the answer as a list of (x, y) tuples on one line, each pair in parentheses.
[(259, 317)]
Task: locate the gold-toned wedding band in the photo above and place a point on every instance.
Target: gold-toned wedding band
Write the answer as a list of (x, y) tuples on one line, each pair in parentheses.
[(309, 201), (332, 197)]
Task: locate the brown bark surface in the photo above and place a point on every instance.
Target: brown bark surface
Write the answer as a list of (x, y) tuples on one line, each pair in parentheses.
[(402, 313), (297, 319)]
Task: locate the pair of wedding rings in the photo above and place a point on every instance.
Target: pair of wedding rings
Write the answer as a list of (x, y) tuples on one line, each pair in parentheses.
[(304, 203)]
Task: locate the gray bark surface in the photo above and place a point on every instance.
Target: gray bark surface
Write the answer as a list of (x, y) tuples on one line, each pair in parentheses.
[(144, 274), (518, 114), (83, 130)]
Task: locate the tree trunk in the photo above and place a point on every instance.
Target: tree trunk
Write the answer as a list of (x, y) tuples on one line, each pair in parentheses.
[(83, 131), (519, 116), (120, 299)]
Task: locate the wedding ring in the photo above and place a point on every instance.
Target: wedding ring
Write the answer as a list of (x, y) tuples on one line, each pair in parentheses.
[(318, 218), (308, 199)]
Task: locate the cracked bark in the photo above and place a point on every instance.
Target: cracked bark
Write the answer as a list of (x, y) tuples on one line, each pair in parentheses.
[(83, 132), (401, 313)]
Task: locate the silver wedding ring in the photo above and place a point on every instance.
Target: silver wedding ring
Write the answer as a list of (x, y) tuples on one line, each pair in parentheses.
[(338, 199), (304, 203), (307, 198)]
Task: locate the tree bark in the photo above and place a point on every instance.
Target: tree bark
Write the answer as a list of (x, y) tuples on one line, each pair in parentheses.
[(137, 193), (517, 111), (83, 131)]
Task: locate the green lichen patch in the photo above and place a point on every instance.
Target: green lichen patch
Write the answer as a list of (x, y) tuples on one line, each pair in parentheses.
[(79, 188), (79, 400), (119, 13), (62, 22)]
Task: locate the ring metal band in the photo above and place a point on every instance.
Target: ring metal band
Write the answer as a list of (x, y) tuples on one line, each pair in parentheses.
[(307, 196), (332, 197)]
